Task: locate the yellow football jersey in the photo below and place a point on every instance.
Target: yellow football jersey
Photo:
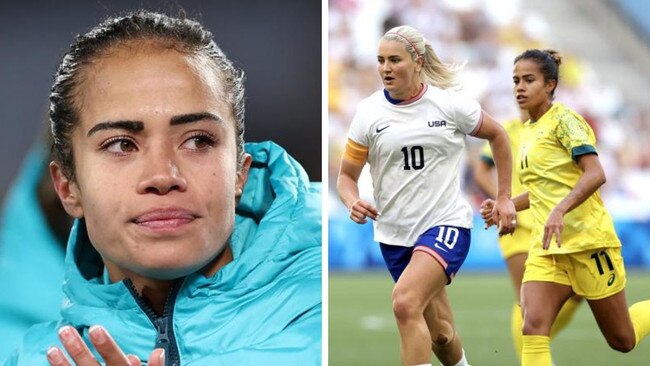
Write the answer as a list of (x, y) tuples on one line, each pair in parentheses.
[(548, 170), (513, 128)]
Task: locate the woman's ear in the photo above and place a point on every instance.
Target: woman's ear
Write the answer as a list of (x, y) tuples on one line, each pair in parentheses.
[(550, 86), (67, 190), (419, 64), (242, 176)]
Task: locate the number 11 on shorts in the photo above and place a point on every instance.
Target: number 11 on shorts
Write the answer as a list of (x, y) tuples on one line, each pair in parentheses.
[(603, 254)]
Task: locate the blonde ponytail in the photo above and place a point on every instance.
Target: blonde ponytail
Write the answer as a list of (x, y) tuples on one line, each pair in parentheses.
[(437, 73), (434, 71)]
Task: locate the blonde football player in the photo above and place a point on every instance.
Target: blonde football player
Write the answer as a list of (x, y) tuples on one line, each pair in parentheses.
[(412, 134), (574, 248)]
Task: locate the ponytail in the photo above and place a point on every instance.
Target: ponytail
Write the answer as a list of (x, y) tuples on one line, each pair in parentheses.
[(434, 71)]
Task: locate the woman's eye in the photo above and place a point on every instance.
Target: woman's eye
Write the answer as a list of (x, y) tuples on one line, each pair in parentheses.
[(199, 142), (120, 146)]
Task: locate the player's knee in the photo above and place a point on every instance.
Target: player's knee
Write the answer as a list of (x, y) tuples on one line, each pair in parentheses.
[(404, 307), (534, 324), (621, 343)]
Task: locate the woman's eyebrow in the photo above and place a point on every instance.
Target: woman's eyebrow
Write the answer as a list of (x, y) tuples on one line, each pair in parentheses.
[(194, 117), (137, 126), (134, 126)]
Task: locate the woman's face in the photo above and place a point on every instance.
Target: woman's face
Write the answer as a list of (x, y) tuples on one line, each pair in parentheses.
[(531, 91), (155, 162), (397, 70)]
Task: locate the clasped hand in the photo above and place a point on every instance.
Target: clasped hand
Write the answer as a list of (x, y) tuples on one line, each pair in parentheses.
[(103, 343), (501, 213)]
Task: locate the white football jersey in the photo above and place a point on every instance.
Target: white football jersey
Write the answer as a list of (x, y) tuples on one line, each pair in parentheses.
[(414, 153)]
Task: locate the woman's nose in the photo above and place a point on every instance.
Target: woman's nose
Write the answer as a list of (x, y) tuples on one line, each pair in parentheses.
[(161, 175)]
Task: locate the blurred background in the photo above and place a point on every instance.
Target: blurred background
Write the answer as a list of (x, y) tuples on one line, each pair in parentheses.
[(605, 76)]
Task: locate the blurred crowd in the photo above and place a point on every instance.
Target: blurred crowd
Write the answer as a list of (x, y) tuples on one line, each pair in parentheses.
[(486, 36)]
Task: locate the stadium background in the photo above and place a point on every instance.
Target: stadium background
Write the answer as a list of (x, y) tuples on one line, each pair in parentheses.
[(604, 76)]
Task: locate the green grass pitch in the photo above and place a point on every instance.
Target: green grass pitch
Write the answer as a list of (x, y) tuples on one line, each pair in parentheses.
[(362, 330)]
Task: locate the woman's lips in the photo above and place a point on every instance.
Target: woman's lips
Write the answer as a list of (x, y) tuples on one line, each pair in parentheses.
[(165, 219)]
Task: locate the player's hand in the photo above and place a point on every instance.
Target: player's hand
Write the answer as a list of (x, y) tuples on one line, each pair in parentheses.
[(360, 209), (486, 210), (505, 215), (554, 226), (105, 345)]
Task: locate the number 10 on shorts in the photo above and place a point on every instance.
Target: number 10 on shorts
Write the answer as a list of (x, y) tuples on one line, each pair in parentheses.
[(450, 235)]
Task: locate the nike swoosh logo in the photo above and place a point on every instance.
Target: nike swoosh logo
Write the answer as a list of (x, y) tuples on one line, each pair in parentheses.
[(439, 247), (381, 129)]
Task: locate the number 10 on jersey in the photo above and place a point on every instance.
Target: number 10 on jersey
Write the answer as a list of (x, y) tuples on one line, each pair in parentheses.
[(413, 157)]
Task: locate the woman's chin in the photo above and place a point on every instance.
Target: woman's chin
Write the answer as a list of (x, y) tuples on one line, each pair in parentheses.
[(167, 273), (172, 264), (168, 270)]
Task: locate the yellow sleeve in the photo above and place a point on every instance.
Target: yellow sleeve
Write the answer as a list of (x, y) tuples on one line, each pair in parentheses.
[(355, 153), (575, 135)]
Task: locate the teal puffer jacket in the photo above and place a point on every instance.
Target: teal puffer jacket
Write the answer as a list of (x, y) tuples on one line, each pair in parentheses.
[(263, 308)]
